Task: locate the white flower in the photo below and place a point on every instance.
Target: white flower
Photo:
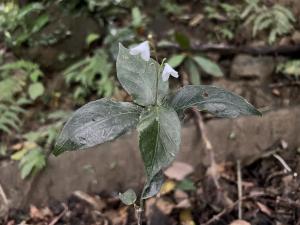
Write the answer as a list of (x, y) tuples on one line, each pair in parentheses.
[(143, 49), (168, 70)]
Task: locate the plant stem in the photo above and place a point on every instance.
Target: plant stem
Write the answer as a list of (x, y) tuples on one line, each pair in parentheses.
[(157, 79), (139, 211), (158, 70), (240, 190), (138, 214)]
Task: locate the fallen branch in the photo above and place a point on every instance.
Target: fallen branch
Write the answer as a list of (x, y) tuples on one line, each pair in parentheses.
[(282, 84), (208, 147), (232, 50)]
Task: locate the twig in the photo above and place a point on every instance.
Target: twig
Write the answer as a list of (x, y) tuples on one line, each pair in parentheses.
[(4, 197), (240, 190), (276, 174), (231, 50), (56, 219), (228, 209), (282, 84), (138, 214), (207, 145), (283, 163)]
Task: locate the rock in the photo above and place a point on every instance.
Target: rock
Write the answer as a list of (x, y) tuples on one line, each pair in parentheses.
[(246, 66), (254, 91), (62, 41)]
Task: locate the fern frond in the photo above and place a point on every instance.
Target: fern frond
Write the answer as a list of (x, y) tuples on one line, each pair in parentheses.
[(285, 11), (258, 21), (277, 20), (89, 71), (9, 119)]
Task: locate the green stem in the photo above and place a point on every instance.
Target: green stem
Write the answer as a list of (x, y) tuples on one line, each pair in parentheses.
[(138, 214), (157, 79)]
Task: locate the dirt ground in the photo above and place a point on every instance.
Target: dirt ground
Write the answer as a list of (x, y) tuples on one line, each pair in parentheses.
[(270, 196)]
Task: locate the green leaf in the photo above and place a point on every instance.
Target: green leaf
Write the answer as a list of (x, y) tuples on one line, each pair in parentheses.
[(291, 68), (40, 23), (95, 123), (186, 185), (215, 100), (138, 77), (208, 66), (136, 17), (176, 60), (193, 71), (32, 162), (182, 40), (29, 8), (19, 154), (159, 140), (153, 185), (9, 87), (36, 90), (92, 38), (128, 197)]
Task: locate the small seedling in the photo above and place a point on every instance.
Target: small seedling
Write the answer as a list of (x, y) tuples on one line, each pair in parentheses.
[(155, 112)]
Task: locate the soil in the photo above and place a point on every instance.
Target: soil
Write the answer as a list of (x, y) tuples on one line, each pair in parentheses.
[(270, 196)]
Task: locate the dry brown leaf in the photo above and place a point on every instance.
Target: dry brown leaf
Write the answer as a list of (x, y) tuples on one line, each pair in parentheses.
[(164, 206), (23, 145), (11, 222), (179, 170), (247, 184), (184, 204), (35, 213), (196, 20), (240, 222), (23, 223), (47, 212), (215, 170), (117, 218), (265, 209), (96, 201), (180, 195), (276, 92)]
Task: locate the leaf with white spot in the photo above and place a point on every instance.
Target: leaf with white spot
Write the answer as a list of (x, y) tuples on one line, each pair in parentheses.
[(95, 123), (215, 100)]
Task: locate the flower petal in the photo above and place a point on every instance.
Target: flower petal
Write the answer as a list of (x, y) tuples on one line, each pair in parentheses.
[(165, 76), (168, 70), (143, 49), (134, 51), (174, 74)]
